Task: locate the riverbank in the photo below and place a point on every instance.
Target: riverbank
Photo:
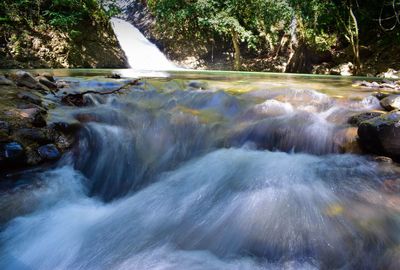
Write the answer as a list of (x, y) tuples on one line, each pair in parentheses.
[(27, 139)]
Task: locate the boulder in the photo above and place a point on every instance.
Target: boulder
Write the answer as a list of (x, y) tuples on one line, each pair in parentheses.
[(357, 119), (47, 82), (62, 84), (48, 76), (381, 135), (391, 102), (11, 152), (23, 78), (390, 74), (49, 152), (34, 116), (380, 95), (114, 75)]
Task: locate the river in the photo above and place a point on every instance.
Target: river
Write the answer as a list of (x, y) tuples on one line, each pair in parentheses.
[(207, 170)]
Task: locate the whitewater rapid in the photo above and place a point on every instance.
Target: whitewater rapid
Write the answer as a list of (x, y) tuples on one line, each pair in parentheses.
[(190, 178)]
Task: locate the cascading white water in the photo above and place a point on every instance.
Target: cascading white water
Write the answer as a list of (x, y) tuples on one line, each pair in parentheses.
[(183, 179), (141, 53)]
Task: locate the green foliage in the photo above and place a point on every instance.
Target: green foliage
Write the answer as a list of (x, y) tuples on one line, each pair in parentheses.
[(63, 14), (318, 21)]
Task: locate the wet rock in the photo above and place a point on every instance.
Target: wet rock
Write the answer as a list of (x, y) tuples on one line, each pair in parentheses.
[(62, 84), (66, 127), (196, 85), (346, 140), (11, 152), (5, 81), (47, 82), (366, 84), (49, 152), (48, 76), (64, 142), (23, 78), (114, 75), (380, 135), (32, 157), (380, 95), (39, 135), (357, 119), (30, 97), (391, 103), (390, 74), (35, 116), (391, 185), (4, 126), (383, 159)]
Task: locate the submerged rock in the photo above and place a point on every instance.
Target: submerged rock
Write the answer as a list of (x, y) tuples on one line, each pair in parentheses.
[(49, 152), (5, 81), (380, 135)]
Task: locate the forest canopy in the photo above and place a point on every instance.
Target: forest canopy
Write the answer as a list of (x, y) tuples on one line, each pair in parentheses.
[(319, 25)]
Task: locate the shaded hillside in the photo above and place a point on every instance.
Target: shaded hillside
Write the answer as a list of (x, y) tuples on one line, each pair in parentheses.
[(44, 34)]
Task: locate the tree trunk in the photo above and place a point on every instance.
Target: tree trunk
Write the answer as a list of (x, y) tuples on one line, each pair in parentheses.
[(237, 61), (300, 59), (355, 42)]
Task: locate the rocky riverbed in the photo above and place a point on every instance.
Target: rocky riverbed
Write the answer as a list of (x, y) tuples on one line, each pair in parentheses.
[(26, 138)]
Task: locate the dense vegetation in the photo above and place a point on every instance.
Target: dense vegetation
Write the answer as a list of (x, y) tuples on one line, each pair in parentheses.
[(265, 26), (62, 14), (57, 33)]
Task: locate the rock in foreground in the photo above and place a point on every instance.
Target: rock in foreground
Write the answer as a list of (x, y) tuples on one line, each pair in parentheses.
[(381, 135)]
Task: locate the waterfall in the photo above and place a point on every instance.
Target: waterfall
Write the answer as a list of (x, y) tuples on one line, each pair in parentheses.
[(141, 53)]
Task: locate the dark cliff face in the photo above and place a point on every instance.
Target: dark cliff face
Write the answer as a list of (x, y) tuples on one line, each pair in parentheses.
[(43, 46)]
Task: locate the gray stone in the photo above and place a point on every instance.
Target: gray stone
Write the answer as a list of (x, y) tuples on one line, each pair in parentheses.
[(391, 103), (46, 82), (23, 78)]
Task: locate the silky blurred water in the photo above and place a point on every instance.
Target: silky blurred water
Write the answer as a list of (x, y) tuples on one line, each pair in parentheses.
[(213, 173)]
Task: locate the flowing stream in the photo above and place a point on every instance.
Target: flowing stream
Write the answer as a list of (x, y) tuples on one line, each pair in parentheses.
[(207, 171)]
